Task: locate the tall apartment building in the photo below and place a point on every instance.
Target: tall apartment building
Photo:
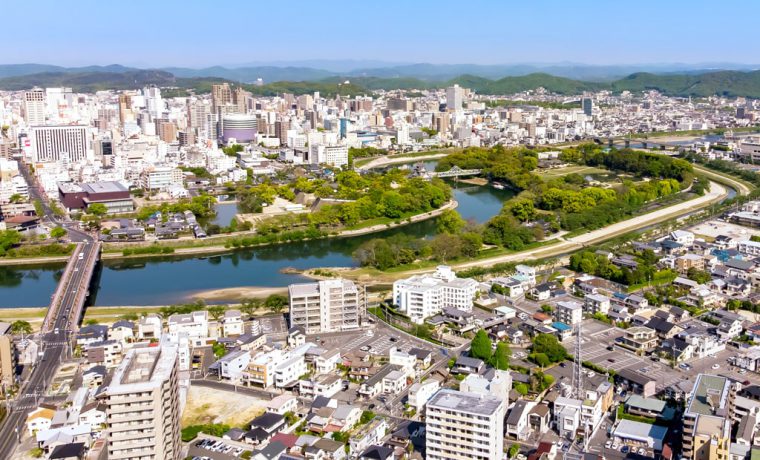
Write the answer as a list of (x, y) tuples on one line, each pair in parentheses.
[(53, 143), (462, 425), (281, 128), (707, 418), (326, 306), (7, 356), (34, 107), (220, 95), (125, 108), (454, 97), (142, 406), (422, 296)]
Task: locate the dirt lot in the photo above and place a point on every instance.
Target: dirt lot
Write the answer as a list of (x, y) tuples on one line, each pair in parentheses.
[(713, 228), (206, 405)]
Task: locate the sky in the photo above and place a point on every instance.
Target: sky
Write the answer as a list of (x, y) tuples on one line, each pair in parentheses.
[(199, 33)]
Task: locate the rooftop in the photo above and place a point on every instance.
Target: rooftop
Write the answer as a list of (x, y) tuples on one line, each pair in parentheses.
[(471, 403)]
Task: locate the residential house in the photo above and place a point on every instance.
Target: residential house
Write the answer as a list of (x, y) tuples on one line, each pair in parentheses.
[(640, 339), (421, 392), (232, 323), (517, 424), (122, 331), (596, 303), (149, 327)]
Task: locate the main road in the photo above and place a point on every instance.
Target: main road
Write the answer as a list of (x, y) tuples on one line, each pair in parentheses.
[(55, 340)]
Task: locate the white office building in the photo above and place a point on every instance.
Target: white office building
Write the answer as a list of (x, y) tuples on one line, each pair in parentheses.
[(464, 425), (422, 296), (333, 155), (54, 143), (34, 107), (326, 306), (454, 97)]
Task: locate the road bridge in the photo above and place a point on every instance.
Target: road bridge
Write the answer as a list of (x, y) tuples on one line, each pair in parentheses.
[(456, 172)]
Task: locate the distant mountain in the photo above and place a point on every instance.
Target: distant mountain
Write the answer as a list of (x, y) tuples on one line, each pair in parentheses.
[(90, 81), (251, 74), (17, 70), (305, 80)]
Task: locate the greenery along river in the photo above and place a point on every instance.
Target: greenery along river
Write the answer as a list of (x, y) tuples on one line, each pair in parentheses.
[(173, 279)]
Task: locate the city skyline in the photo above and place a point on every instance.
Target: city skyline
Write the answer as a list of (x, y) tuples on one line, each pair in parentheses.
[(396, 33)]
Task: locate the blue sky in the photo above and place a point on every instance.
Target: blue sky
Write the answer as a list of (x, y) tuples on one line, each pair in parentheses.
[(196, 33)]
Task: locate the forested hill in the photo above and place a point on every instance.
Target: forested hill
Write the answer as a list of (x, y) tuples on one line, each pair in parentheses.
[(730, 83)]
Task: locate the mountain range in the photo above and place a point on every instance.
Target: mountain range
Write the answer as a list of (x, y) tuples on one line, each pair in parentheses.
[(483, 79)]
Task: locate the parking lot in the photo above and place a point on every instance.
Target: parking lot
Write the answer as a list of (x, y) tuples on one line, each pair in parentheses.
[(382, 339), (216, 448)]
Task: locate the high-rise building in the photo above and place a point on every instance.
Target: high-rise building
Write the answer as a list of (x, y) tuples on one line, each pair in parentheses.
[(198, 118), (333, 155), (142, 406), (242, 128), (7, 356), (34, 107), (166, 130), (53, 143), (464, 425), (588, 106), (281, 128), (707, 418), (153, 101), (454, 97), (241, 98), (220, 95), (326, 306), (125, 108)]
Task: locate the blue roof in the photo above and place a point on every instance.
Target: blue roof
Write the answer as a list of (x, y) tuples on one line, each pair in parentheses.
[(562, 327)]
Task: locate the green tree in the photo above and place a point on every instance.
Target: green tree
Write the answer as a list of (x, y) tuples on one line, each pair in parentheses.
[(481, 346), (500, 358), (514, 449), (276, 302), (8, 239), (366, 417), (97, 209), (16, 198), (450, 222), (21, 327), (550, 346), (216, 311), (91, 322), (541, 359), (700, 276), (58, 233), (249, 306)]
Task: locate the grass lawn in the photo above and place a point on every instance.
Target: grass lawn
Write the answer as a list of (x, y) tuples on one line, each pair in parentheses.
[(578, 169)]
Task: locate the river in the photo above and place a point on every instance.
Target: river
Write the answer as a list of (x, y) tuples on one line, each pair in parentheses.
[(161, 281)]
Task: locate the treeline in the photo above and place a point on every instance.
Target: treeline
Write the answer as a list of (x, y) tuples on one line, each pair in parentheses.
[(642, 164), (148, 250), (364, 152), (599, 265), (201, 206)]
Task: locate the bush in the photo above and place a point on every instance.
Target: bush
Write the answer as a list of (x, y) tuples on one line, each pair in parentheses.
[(214, 429)]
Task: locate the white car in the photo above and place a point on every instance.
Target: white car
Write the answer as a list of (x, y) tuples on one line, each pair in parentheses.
[(743, 371), (607, 444), (615, 446), (716, 366)]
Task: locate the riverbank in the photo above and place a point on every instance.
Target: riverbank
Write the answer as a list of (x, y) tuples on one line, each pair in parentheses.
[(238, 293), (553, 249), (220, 246), (388, 161)]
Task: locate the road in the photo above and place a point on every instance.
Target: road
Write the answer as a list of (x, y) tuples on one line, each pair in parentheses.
[(55, 344), (387, 161)]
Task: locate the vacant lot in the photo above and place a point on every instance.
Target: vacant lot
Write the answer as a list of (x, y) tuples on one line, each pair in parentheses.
[(207, 405)]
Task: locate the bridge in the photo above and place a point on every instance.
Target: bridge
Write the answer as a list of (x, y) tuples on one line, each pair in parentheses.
[(456, 171), (628, 142), (57, 332)]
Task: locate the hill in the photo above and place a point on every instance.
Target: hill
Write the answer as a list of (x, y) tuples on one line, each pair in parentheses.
[(90, 81)]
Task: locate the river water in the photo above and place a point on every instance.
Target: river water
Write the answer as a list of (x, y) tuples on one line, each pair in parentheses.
[(161, 281)]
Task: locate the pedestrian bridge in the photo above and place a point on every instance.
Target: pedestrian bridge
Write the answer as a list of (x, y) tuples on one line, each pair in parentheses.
[(456, 172)]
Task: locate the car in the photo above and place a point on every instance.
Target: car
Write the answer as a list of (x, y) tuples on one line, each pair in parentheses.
[(615, 446), (642, 451), (716, 366), (743, 371), (607, 444), (56, 331), (746, 382), (393, 339), (370, 334), (562, 364), (625, 449), (610, 348), (612, 360), (684, 366), (591, 374)]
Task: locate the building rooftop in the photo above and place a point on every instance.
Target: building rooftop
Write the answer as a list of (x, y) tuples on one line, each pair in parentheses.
[(460, 401), (710, 393), (143, 369)]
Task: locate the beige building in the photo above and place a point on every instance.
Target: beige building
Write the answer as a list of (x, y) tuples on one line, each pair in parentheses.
[(326, 306), (142, 406), (707, 418), (7, 356)]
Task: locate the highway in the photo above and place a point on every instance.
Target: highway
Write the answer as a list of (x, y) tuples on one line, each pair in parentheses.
[(55, 340)]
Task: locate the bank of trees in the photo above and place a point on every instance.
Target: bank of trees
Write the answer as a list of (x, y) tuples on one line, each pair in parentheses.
[(599, 265), (201, 206)]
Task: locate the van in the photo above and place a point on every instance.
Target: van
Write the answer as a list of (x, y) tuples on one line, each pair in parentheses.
[(81, 256)]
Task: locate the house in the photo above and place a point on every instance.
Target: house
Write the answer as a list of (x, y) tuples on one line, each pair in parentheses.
[(108, 353), (517, 421), (296, 336), (122, 331), (377, 453), (194, 324), (467, 365), (645, 407), (93, 414), (282, 404), (93, 377), (569, 312), (233, 365), (40, 419), (272, 451), (368, 435), (327, 361), (640, 339), (540, 292), (421, 392), (664, 329), (638, 383), (324, 385), (406, 361), (72, 451), (384, 381), (324, 449), (91, 334), (149, 327), (639, 434), (232, 323), (539, 419), (424, 357), (263, 428), (682, 237)]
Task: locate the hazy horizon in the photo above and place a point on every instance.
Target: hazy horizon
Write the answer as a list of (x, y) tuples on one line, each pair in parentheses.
[(171, 33)]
